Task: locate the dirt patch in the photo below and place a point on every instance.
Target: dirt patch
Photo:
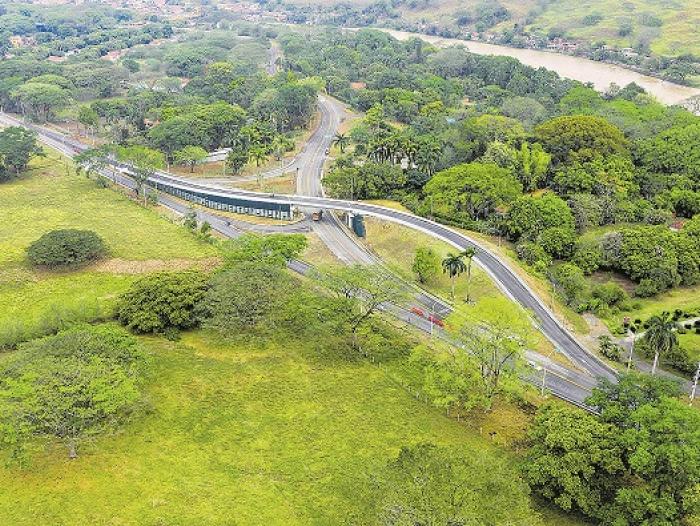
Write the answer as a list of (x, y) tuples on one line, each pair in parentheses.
[(124, 266)]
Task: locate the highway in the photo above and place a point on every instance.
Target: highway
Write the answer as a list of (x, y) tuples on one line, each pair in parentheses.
[(574, 388)]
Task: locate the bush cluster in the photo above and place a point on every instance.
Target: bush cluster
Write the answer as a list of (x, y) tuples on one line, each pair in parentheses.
[(63, 248)]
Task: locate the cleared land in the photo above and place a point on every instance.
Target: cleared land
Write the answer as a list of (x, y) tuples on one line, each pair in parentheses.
[(245, 432)]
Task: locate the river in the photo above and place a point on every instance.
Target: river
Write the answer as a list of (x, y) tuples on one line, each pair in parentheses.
[(600, 74)]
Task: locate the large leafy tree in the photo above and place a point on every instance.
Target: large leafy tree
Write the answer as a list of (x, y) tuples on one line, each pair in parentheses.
[(637, 464), (676, 150), (162, 302), (69, 386), (531, 215), (474, 190), (574, 460), (580, 134)]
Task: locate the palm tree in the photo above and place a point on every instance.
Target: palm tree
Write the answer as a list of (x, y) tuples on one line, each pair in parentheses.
[(454, 265), (469, 253), (661, 336), (341, 141)]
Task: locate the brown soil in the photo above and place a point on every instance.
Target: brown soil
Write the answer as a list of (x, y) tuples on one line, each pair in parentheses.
[(123, 266)]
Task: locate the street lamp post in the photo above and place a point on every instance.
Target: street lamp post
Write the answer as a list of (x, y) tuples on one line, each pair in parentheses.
[(695, 385)]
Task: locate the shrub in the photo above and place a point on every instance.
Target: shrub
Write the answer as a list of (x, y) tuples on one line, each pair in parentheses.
[(532, 253), (587, 256), (162, 301), (243, 297), (61, 248), (609, 349), (611, 294), (646, 288), (558, 242), (570, 283)]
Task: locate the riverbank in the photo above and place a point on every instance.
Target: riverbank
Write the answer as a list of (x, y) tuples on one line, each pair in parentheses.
[(600, 74)]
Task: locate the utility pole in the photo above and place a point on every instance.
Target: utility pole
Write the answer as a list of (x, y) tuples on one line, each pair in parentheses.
[(695, 385), (633, 330), (544, 379)]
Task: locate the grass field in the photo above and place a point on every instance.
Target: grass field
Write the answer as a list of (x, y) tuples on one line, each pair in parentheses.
[(236, 433), (46, 199)]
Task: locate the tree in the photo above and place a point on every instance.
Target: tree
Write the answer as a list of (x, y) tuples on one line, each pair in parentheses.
[(564, 136), (93, 160), (144, 162), (341, 140), (453, 265), (191, 156), (574, 460), (437, 485), (88, 117), (69, 386), (246, 296), (661, 336), (258, 155), (661, 439), (41, 100), (496, 334), (68, 247), (370, 181), (570, 283), (364, 291), (475, 190), (425, 264), (162, 302), (236, 159), (18, 146), (533, 164), (531, 215), (468, 254), (617, 402)]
